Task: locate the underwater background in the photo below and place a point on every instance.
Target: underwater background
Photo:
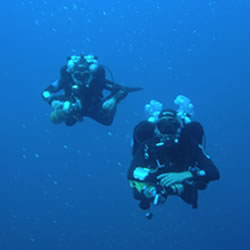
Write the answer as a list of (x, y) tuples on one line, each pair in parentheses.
[(66, 188)]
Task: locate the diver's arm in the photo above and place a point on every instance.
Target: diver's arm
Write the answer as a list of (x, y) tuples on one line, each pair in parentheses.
[(206, 170), (57, 85), (136, 169), (200, 175), (143, 131), (61, 83)]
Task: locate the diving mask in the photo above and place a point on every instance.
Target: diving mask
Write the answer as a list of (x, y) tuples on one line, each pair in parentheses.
[(168, 129)]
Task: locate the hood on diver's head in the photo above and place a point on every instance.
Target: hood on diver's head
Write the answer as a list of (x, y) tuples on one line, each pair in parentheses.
[(168, 127)]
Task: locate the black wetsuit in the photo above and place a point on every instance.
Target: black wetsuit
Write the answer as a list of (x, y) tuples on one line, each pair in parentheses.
[(91, 96), (187, 154)]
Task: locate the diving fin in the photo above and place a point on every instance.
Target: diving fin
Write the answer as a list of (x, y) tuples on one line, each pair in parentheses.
[(132, 89)]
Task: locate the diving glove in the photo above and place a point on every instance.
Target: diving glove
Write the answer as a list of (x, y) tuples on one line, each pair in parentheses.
[(46, 95), (70, 108)]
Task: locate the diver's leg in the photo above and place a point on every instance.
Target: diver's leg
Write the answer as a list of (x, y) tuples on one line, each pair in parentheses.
[(101, 115)]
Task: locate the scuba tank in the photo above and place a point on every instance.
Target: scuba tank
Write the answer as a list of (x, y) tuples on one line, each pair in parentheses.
[(186, 108), (152, 110)]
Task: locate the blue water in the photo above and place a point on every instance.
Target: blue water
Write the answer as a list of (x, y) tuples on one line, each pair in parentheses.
[(66, 188)]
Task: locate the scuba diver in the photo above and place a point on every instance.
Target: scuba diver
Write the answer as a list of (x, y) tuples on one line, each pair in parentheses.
[(169, 159), (79, 92)]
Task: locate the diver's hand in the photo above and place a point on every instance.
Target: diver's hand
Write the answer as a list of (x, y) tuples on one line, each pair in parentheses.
[(169, 179), (56, 104), (177, 189), (150, 192), (109, 104), (46, 95)]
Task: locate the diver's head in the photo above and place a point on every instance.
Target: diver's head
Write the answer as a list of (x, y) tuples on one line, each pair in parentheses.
[(78, 67), (76, 63), (168, 127)]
